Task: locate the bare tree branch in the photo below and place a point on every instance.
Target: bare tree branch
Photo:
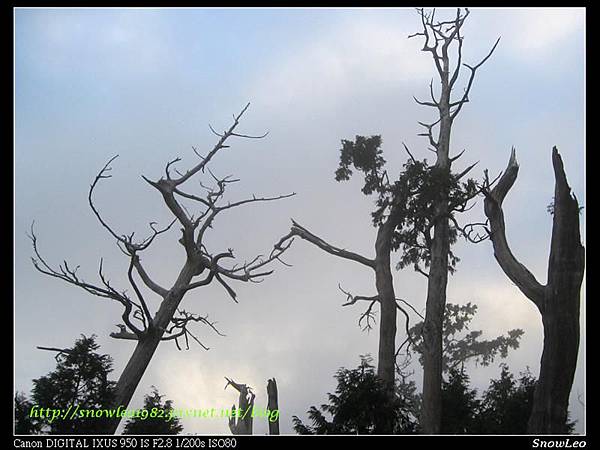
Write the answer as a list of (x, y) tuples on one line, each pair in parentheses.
[(352, 299), (60, 351), (429, 134), (473, 69), (300, 231), (126, 240), (516, 271), (400, 300), (124, 334), (406, 329), (249, 271), (255, 199), (369, 316), (219, 145), (137, 291), (166, 324), (70, 276), (153, 286), (466, 171), (180, 328), (428, 31)]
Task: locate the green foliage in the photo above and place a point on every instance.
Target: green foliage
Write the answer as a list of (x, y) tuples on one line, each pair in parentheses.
[(506, 405), (80, 379), (363, 154), (457, 348), (503, 408), (158, 420), (360, 400), (23, 423), (410, 201), (459, 404)]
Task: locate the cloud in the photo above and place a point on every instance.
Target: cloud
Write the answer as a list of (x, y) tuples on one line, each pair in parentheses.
[(529, 33), (109, 42), (540, 30), (361, 71), (355, 55)]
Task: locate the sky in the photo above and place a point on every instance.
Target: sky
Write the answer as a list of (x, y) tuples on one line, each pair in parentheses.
[(146, 83)]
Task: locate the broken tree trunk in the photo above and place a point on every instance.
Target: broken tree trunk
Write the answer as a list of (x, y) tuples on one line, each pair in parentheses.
[(240, 421), (272, 405), (558, 301)]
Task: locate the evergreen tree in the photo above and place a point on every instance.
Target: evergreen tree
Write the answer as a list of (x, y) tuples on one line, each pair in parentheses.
[(360, 400), (24, 424), (506, 405), (158, 421), (459, 404), (79, 380)]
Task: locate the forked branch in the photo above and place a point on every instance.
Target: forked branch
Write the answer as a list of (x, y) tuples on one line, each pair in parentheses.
[(516, 271)]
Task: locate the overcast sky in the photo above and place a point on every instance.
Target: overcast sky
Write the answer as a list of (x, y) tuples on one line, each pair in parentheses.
[(145, 84)]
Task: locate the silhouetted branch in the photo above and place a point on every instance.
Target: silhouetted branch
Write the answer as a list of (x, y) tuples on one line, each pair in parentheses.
[(126, 240), (300, 231), (516, 271), (218, 146), (179, 328), (153, 286), (70, 276), (60, 351), (369, 316), (352, 299), (473, 69)]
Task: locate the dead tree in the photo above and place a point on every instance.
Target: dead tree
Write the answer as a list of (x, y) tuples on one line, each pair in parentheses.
[(201, 266), (385, 297), (272, 405), (422, 201), (558, 301), (241, 418), (440, 37)]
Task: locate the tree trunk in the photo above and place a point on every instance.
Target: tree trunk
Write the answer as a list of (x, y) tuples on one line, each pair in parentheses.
[(241, 420), (431, 413), (386, 365), (387, 300), (558, 301), (272, 405), (560, 314), (432, 331), (557, 370), (145, 348)]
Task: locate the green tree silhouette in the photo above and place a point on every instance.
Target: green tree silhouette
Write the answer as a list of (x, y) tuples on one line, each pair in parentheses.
[(158, 420)]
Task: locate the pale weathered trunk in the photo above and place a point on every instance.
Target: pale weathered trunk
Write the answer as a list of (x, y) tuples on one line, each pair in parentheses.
[(431, 411), (386, 365), (145, 348), (387, 300)]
